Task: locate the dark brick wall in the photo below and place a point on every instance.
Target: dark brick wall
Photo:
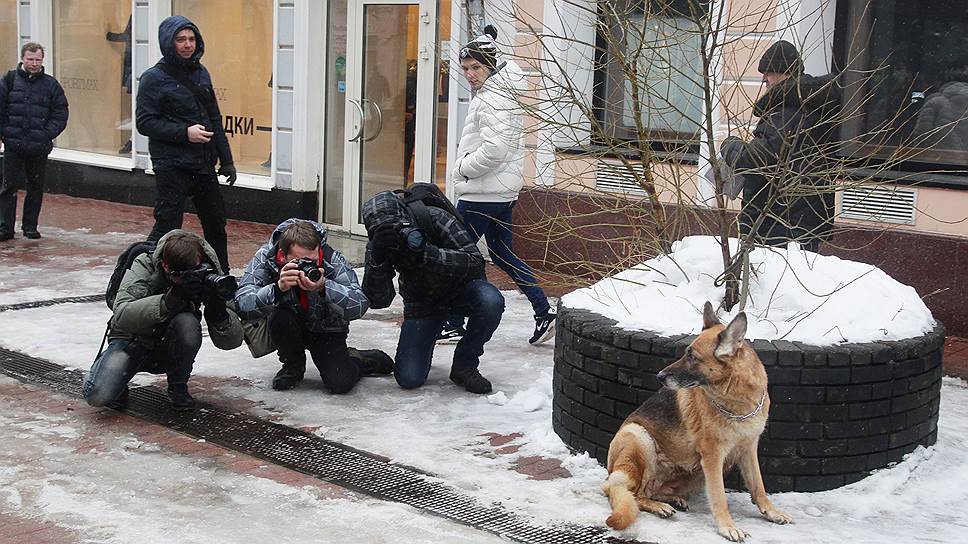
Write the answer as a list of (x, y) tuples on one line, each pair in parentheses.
[(593, 236), (836, 413)]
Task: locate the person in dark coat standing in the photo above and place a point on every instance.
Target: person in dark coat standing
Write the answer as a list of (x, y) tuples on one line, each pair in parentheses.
[(178, 112), (788, 193), (33, 111)]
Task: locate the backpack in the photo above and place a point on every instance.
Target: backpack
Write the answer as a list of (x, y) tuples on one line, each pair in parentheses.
[(421, 195), (125, 260)]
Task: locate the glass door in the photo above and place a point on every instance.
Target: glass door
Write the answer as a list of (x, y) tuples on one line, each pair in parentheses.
[(390, 65)]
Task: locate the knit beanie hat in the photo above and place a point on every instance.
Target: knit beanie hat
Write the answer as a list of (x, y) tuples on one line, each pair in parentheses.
[(781, 58), (482, 49)]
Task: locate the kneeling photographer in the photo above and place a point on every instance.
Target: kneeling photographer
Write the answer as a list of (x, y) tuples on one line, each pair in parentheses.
[(441, 273), (309, 294), (156, 325)]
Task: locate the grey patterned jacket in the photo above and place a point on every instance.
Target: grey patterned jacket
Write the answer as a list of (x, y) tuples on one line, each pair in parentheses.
[(330, 310)]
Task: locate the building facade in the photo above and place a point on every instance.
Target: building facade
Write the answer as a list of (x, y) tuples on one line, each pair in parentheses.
[(327, 102)]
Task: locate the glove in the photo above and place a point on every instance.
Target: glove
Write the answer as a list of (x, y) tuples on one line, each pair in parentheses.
[(228, 170), (215, 310), (731, 148), (385, 241), (174, 301)]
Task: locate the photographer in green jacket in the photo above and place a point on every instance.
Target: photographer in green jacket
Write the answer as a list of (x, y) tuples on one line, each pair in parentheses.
[(156, 325)]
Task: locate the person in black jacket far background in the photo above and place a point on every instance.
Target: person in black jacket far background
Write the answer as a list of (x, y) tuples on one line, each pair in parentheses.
[(33, 111), (788, 193), (178, 112)]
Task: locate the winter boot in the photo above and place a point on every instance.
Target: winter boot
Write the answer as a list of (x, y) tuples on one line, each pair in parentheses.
[(373, 362), (470, 379), (120, 403), (289, 375), (180, 399)]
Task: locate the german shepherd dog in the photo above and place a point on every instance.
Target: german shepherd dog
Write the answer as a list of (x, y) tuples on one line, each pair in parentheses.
[(708, 417)]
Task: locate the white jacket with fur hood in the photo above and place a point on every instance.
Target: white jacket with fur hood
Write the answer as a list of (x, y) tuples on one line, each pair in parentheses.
[(490, 155)]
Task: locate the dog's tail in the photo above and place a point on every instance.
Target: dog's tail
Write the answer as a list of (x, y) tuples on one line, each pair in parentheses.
[(619, 487)]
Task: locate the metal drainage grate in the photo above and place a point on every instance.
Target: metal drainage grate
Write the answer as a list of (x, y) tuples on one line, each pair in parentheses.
[(51, 302), (336, 463)]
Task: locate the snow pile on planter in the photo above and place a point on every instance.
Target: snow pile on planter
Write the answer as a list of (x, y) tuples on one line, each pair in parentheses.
[(794, 295)]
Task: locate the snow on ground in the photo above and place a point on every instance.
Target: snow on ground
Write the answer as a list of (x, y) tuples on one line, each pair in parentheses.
[(128, 491), (788, 296), (438, 428)]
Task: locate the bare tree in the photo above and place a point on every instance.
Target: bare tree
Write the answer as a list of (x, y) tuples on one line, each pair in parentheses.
[(639, 91)]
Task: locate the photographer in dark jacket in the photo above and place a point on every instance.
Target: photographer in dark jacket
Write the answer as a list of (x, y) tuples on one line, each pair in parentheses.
[(788, 194), (178, 112), (156, 325), (309, 294), (33, 111), (441, 273)]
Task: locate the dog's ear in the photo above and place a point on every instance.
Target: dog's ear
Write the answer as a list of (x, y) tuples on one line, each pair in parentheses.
[(709, 318), (731, 338)]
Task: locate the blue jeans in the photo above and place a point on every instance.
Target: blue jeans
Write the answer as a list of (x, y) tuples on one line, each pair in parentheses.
[(481, 302), (493, 221), (174, 355)]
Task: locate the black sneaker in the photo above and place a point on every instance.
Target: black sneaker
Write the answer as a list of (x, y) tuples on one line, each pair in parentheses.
[(373, 362), (32, 234), (289, 376), (471, 380), (120, 403), (180, 399), (544, 328), (451, 335)]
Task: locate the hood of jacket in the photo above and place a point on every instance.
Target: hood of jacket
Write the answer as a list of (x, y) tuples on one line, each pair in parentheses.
[(277, 232), (384, 207), (209, 252), (166, 39), (814, 94), (507, 80)]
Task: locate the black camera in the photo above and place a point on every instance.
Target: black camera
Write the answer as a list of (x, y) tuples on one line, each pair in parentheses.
[(412, 237), (307, 265), (223, 286)]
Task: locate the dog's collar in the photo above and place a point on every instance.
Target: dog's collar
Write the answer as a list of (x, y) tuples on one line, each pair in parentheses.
[(734, 417)]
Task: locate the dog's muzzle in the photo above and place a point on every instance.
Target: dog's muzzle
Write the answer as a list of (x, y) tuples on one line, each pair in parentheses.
[(680, 380)]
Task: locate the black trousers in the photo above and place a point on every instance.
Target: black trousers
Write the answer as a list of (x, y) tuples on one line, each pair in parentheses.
[(328, 350), (177, 184), (27, 172)]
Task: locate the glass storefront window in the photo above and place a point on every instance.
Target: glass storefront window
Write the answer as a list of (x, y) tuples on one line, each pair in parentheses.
[(9, 46), (332, 194), (91, 66), (238, 54)]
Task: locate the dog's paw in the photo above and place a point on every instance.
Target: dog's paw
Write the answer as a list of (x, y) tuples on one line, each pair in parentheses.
[(660, 509), (733, 533), (777, 516), (679, 503)]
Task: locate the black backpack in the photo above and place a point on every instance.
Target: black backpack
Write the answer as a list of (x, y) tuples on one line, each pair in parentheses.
[(420, 195), (125, 260)]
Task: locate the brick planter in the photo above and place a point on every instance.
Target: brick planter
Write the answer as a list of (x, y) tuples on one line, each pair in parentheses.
[(836, 413)]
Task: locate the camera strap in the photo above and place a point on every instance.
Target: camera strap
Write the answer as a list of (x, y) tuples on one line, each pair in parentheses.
[(204, 94)]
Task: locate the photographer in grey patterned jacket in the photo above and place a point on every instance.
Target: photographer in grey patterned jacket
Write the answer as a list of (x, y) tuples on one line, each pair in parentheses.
[(309, 294)]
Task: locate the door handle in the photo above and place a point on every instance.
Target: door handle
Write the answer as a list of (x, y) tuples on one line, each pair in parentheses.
[(359, 132), (379, 120)]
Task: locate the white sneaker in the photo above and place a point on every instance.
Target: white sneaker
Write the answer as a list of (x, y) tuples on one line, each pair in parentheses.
[(544, 328)]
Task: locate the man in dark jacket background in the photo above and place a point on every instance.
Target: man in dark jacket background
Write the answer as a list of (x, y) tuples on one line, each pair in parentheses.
[(441, 273), (178, 112), (789, 190), (33, 111)]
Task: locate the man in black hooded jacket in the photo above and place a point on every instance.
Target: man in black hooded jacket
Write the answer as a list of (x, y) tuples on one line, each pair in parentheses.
[(788, 194), (178, 112)]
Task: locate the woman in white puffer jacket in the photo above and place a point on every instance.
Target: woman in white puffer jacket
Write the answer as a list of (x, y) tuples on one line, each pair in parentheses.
[(489, 172)]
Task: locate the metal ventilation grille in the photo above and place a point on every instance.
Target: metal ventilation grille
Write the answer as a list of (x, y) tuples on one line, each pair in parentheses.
[(882, 204), (615, 177)]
